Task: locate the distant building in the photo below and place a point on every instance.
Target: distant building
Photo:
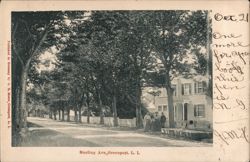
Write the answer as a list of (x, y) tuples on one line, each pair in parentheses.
[(192, 105)]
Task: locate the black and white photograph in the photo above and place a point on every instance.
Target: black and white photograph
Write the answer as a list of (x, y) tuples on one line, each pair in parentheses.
[(111, 78)]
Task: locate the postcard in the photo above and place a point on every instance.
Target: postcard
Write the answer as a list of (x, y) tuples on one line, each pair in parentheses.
[(124, 81)]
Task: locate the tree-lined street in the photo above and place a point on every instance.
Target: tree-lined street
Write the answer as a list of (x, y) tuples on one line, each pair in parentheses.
[(97, 63)]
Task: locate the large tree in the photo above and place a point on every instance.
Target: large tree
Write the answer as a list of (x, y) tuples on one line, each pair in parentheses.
[(137, 46), (122, 45), (28, 36), (32, 33), (177, 35)]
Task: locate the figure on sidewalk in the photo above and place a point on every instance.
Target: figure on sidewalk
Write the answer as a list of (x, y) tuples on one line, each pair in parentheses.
[(157, 123), (152, 124), (163, 120), (147, 122)]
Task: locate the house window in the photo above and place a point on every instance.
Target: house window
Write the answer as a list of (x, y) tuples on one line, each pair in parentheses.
[(199, 110), (159, 108), (165, 107), (162, 108), (200, 87), (174, 89), (186, 89)]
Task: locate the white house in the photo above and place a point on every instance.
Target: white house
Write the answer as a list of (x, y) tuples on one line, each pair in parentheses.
[(192, 105)]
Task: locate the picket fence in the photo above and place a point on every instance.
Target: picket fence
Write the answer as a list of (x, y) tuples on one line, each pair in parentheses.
[(108, 121)]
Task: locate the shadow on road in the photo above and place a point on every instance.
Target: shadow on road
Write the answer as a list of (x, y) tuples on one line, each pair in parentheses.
[(50, 138)]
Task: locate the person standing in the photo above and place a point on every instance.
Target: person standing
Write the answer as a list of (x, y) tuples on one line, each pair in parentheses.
[(163, 120), (147, 122), (152, 124), (157, 123)]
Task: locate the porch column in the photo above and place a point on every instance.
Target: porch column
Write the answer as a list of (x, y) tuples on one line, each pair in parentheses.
[(176, 111), (183, 111)]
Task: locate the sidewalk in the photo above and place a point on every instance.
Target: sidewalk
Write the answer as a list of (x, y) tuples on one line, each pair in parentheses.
[(158, 134)]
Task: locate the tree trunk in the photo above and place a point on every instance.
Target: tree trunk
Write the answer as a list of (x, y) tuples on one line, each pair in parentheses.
[(139, 120), (76, 118), (62, 114), (54, 114), (88, 113), (50, 113), (68, 114), (59, 114), (80, 113), (115, 111), (23, 109), (170, 102), (101, 109)]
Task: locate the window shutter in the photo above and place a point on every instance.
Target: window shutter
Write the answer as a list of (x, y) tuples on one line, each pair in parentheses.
[(194, 110), (182, 89), (190, 89), (195, 88)]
